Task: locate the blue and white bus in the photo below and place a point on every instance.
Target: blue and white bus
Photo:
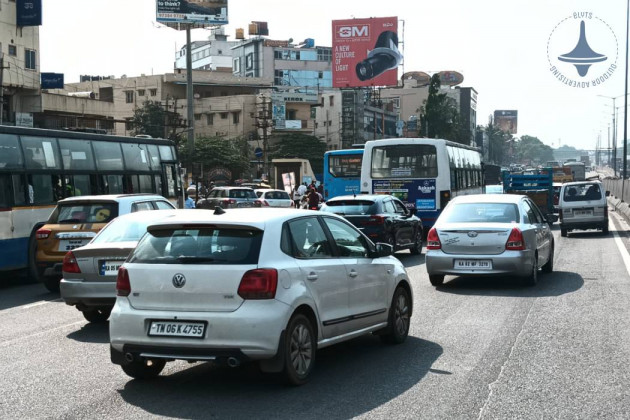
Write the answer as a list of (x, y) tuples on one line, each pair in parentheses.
[(342, 172), (39, 167), (424, 173)]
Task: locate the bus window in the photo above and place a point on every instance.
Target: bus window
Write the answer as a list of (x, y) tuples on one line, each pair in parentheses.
[(19, 190), (108, 155), (146, 186), (166, 153), (77, 154), (112, 184), (77, 185), (41, 153), (5, 191), (404, 161), (169, 172), (10, 154), (136, 157), (40, 189), (158, 184), (154, 156)]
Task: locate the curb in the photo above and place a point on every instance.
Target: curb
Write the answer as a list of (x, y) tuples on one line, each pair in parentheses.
[(620, 207)]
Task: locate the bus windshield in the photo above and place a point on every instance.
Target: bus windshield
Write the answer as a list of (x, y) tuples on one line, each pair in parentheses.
[(404, 161)]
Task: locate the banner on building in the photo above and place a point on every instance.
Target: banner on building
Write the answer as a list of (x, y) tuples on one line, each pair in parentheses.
[(52, 80), (24, 119), (28, 12), (506, 120), (200, 12), (365, 52)]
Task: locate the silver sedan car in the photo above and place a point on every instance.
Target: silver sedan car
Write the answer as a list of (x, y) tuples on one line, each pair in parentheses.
[(89, 272), (501, 234)]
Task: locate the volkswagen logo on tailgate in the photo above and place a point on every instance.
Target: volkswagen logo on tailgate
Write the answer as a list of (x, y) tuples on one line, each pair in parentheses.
[(179, 280), (471, 234)]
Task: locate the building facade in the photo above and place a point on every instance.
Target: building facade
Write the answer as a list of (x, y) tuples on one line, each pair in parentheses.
[(19, 68), (214, 54)]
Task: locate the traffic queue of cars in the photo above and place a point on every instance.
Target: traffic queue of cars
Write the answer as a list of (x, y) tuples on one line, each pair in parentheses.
[(188, 285)]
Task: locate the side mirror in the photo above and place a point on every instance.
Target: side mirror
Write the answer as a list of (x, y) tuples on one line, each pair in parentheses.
[(384, 250), (551, 218), (607, 193)]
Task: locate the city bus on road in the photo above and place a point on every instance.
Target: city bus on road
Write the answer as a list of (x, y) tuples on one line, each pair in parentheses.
[(38, 167), (342, 172), (424, 173)]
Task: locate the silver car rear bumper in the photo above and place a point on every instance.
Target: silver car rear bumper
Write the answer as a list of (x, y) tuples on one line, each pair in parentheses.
[(517, 263), (88, 293)]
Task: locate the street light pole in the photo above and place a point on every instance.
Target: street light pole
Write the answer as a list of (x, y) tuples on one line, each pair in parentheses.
[(625, 106)]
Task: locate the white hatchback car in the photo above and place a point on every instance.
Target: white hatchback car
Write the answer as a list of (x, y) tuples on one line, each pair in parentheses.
[(274, 198), (244, 285)]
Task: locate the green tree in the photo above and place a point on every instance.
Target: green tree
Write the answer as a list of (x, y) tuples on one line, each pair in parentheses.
[(301, 146), (215, 152), (530, 148), (149, 119), (499, 144), (439, 116)]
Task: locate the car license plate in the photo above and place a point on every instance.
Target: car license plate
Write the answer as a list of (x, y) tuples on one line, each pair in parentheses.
[(480, 264), (177, 329), (110, 268), (244, 205), (582, 213), (70, 244)]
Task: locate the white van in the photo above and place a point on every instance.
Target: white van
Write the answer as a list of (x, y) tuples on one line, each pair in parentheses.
[(583, 206)]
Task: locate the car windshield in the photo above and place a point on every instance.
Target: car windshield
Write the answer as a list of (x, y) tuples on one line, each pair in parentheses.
[(277, 195), (480, 213), (211, 245), (582, 192), (68, 213), (242, 193), (351, 207)]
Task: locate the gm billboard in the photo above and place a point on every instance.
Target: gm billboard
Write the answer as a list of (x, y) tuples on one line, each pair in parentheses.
[(201, 12), (365, 52), (506, 120)]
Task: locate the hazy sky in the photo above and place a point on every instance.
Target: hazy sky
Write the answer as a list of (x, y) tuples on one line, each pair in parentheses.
[(500, 46)]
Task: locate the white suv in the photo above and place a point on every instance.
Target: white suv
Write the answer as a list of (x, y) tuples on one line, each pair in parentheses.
[(583, 205), (244, 285)]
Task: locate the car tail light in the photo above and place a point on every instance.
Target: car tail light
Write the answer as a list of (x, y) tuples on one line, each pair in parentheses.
[(43, 233), (515, 241), (433, 240), (70, 264), (375, 221), (263, 203), (259, 284), (123, 287)]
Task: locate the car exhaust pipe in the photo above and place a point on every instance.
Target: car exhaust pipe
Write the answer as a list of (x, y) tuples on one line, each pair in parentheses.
[(129, 357), (233, 362)]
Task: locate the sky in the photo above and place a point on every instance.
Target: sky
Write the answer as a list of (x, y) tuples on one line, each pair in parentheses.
[(504, 48)]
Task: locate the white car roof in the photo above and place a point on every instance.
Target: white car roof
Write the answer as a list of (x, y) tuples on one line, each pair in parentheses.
[(488, 198), (257, 218), (113, 197)]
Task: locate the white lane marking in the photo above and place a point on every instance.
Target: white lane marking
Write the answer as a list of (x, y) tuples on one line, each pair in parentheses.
[(29, 305), (622, 249)]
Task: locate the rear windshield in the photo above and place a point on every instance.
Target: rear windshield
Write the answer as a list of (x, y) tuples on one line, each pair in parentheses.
[(84, 213), (125, 230), (242, 194), (209, 245), (277, 195), (355, 207), (480, 213), (582, 192)]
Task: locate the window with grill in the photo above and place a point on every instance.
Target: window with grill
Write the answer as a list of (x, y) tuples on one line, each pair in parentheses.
[(129, 96), (29, 59), (12, 50), (153, 92)]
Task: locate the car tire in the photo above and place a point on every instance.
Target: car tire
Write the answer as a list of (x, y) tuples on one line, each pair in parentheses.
[(34, 272), (563, 232), (605, 229), (51, 283), (436, 280), (96, 315), (532, 279), (417, 247), (399, 317), (299, 350), (141, 369), (548, 267)]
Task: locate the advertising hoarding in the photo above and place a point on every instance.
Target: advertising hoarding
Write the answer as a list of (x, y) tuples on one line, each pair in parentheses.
[(365, 52), (28, 12), (204, 12), (506, 120)]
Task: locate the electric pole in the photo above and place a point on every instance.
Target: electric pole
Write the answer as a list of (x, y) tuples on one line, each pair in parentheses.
[(264, 122), (1, 86)]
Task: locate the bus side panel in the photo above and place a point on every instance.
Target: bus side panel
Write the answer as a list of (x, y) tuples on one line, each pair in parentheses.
[(15, 230)]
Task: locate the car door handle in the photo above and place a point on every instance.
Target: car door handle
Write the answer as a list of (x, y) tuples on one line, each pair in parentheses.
[(353, 273), (311, 277)]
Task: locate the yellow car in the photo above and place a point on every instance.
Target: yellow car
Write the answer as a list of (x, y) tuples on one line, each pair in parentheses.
[(76, 220)]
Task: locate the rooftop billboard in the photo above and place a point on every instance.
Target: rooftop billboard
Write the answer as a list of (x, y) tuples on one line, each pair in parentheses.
[(28, 12), (365, 52), (200, 12), (506, 120)]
